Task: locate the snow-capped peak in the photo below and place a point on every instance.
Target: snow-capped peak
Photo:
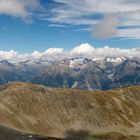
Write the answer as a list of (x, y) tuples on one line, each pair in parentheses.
[(116, 60)]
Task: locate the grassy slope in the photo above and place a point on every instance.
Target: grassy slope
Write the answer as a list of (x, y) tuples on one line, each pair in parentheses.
[(59, 112)]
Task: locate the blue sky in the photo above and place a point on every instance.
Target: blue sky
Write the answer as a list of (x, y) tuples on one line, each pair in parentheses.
[(30, 25)]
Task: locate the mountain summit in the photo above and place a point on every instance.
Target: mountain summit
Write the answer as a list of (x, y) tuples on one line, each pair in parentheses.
[(78, 72)]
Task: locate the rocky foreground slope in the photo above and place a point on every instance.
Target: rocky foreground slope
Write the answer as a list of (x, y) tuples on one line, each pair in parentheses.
[(10, 134), (71, 114)]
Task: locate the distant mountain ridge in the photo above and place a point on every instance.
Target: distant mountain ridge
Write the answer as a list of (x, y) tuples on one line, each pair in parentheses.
[(79, 72)]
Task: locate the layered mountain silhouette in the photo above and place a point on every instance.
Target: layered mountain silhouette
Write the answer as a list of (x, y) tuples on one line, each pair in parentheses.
[(70, 114), (80, 73)]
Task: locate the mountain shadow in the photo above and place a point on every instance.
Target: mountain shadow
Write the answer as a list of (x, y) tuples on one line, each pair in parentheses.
[(77, 135)]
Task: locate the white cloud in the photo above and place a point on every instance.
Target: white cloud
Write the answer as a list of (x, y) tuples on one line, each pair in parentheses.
[(129, 33), (56, 25), (52, 54), (36, 54), (94, 14), (8, 54), (106, 51), (18, 8), (116, 52), (53, 51), (83, 50), (74, 8), (81, 12)]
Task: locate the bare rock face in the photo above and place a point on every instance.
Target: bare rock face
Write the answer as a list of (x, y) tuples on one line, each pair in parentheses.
[(67, 113), (80, 72)]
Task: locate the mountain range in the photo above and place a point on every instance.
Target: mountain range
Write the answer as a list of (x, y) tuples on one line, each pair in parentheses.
[(79, 72)]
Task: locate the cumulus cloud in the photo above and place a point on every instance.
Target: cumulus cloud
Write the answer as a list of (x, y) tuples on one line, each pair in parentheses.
[(83, 50), (8, 54), (116, 52), (87, 50), (19, 8), (53, 51), (36, 54)]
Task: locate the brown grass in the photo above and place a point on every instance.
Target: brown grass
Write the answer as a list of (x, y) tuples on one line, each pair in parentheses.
[(52, 112)]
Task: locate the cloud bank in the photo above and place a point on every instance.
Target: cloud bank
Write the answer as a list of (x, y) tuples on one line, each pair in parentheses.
[(104, 17), (83, 50), (19, 8)]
